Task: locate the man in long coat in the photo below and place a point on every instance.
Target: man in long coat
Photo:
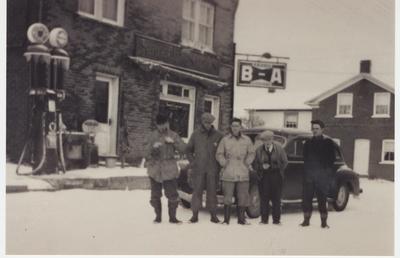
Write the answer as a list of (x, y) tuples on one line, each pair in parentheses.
[(319, 158), (201, 151), (160, 148)]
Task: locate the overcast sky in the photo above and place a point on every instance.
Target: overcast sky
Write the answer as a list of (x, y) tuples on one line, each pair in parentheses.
[(325, 41)]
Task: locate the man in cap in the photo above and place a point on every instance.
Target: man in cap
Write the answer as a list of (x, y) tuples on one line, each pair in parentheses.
[(270, 163), (160, 148), (319, 158), (201, 151)]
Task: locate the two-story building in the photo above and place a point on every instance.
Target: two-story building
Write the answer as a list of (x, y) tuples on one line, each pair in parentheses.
[(129, 60), (359, 113)]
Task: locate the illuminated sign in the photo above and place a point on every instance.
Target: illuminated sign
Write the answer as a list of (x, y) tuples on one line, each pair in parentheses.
[(261, 74)]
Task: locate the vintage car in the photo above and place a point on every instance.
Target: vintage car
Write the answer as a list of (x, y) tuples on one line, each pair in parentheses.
[(346, 181)]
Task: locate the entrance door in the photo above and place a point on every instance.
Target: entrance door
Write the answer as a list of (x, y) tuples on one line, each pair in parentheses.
[(361, 156), (106, 103)]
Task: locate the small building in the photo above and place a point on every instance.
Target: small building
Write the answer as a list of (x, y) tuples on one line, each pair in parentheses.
[(129, 59), (359, 114)]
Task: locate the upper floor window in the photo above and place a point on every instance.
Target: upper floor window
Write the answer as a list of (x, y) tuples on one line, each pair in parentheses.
[(291, 120), (344, 105), (381, 104), (388, 151), (109, 11), (198, 24)]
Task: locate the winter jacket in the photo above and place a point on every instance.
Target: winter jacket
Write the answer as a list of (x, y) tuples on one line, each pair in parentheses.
[(278, 161), (235, 155), (201, 150), (161, 162)]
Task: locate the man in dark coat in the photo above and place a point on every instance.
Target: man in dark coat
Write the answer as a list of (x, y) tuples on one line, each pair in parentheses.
[(270, 163), (201, 151), (319, 158), (160, 148)]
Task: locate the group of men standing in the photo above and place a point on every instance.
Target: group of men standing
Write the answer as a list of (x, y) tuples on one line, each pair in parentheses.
[(233, 159)]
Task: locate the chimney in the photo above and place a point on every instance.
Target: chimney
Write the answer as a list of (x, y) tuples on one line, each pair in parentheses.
[(365, 66)]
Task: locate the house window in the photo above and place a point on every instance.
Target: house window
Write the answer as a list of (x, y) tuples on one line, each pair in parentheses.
[(198, 24), (381, 104), (344, 105), (291, 120), (109, 11), (388, 152), (211, 105), (178, 101)]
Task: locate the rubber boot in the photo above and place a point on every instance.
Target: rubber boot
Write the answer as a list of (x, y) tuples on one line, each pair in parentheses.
[(241, 216), (214, 218), (306, 221), (324, 218), (157, 209), (195, 217), (227, 214), (172, 206)]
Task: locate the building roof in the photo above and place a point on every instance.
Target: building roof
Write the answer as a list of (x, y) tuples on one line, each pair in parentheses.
[(316, 100)]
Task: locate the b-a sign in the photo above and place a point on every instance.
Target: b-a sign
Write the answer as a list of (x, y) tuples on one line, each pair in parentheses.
[(261, 74)]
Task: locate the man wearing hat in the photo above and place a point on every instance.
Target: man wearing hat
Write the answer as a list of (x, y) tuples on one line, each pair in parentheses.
[(160, 148), (319, 158), (201, 151), (270, 163)]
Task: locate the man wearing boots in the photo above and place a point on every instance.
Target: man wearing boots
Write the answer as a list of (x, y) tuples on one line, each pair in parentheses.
[(235, 154), (270, 163), (201, 151), (162, 169), (319, 158)]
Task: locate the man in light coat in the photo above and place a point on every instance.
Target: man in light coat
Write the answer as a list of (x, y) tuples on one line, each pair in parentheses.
[(235, 154), (160, 148), (270, 163), (201, 151)]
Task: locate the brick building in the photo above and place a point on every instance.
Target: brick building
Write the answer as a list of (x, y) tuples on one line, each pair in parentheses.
[(128, 60), (359, 113)]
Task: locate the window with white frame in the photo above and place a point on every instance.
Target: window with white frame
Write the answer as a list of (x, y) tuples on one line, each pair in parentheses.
[(211, 105), (178, 101), (109, 11), (291, 120), (388, 151), (198, 24), (344, 105), (381, 104)]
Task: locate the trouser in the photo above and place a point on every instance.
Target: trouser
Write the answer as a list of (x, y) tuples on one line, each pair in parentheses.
[(309, 189), (242, 192), (270, 189), (170, 190), (209, 182)]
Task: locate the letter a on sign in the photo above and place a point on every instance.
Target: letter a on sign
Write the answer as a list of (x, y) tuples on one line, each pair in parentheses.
[(276, 76), (247, 73)]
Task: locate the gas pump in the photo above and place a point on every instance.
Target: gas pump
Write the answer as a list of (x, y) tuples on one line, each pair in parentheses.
[(47, 68)]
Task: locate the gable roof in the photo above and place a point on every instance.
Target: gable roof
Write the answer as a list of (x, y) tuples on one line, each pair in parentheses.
[(314, 102)]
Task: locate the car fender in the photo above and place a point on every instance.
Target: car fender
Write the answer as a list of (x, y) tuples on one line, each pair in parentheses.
[(345, 175)]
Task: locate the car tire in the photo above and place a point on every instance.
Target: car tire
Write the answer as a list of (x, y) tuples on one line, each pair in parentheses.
[(253, 211), (342, 198), (185, 204)]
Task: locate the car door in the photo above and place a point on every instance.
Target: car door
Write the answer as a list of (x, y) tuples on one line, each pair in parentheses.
[(293, 181)]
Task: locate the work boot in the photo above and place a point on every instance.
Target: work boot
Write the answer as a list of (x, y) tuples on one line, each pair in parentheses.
[(157, 209), (264, 219), (227, 214), (324, 218), (241, 216), (306, 221), (214, 218), (172, 206), (195, 217)]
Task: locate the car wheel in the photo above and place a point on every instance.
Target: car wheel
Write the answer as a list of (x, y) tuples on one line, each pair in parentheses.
[(342, 198), (253, 211), (185, 204)]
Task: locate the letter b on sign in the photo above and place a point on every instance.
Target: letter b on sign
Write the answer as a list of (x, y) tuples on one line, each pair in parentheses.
[(246, 73)]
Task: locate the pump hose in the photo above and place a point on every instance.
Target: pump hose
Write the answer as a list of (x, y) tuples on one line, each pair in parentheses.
[(60, 143)]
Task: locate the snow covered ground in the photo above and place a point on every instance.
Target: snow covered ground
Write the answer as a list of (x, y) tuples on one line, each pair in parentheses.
[(120, 222)]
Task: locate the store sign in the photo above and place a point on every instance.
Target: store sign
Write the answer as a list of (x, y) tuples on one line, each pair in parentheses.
[(261, 74)]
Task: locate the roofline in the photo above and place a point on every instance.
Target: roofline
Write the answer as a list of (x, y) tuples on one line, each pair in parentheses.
[(314, 102)]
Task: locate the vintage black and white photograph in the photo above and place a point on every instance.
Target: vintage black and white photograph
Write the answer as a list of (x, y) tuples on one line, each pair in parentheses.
[(200, 127)]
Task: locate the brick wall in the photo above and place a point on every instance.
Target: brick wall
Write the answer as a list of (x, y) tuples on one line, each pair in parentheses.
[(361, 126)]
